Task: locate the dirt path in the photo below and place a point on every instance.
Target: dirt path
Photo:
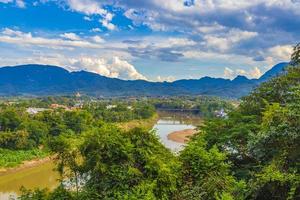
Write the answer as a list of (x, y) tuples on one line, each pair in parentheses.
[(181, 136)]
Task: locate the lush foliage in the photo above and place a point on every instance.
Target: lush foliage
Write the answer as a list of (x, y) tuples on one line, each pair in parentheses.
[(254, 153), (12, 158), (25, 135), (262, 138), (116, 165)]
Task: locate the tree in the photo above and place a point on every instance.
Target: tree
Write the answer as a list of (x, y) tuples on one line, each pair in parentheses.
[(37, 130), (295, 58), (262, 138), (117, 165), (9, 119), (78, 121), (206, 173)]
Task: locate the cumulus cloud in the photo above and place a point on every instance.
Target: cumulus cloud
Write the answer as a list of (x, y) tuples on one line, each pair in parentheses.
[(117, 68), (92, 7), (273, 21), (254, 72), (212, 25), (165, 79), (88, 7), (197, 31), (86, 18), (229, 73), (70, 36), (281, 52), (97, 39), (114, 67), (226, 42), (18, 3), (20, 38), (95, 30), (106, 21)]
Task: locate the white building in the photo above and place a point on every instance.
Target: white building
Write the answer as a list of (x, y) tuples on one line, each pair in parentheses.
[(34, 111)]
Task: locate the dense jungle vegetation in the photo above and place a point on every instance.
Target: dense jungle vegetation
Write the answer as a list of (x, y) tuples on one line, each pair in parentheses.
[(251, 154)]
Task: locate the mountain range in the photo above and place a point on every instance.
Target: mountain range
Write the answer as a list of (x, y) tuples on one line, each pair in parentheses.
[(40, 80)]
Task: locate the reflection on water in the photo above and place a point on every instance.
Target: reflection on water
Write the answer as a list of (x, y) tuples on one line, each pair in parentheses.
[(170, 122), (37, 177)]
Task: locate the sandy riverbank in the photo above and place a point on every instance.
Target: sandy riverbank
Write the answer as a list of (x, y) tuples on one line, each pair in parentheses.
[(25, 165), (181, 136)]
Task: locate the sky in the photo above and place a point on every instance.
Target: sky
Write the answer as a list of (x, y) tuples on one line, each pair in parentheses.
[(155, 40)]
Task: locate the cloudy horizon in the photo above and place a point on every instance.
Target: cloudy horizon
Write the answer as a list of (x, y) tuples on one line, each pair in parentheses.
[(151, 39)]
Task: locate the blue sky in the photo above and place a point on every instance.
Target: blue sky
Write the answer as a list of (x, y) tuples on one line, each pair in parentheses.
[(151, 39)]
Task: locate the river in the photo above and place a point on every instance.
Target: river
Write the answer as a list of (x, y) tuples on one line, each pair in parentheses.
[(44, 176)]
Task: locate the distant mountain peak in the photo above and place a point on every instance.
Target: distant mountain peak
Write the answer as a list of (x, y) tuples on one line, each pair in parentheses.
[(274, 71), (240, 79), (34, 79)]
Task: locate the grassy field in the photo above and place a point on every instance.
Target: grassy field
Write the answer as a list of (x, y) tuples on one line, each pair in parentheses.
[(13, 158)]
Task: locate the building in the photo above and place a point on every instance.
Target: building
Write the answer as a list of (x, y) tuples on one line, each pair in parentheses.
[(34, 111), (221, 113)]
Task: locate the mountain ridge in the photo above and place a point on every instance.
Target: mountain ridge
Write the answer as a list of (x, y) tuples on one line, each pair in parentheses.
[(38, 80)]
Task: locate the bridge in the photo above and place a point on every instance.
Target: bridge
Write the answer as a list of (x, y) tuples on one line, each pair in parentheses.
[(168, 123)]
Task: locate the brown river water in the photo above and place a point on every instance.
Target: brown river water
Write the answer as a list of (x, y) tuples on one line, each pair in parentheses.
[(42, 176)]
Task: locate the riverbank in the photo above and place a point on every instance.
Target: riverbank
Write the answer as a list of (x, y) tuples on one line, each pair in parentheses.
[(182, 136), (142, 123), (26, 165)]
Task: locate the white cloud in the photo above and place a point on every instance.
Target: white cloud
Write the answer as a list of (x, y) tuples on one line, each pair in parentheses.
[(21, 38), (106, 22), (173, 42), (228, 73), (232, 73), (86, 18), (95, 30), (165, 78), (211, 28), (98, 39), (88, 7), (226, 41), (20, 3), (117, 68), (92, 7), (114, 68), (70, 36), (281, 52), (122, 68), (255, 72), (275, 54)]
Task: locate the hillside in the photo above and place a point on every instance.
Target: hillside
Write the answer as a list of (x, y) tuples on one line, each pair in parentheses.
[(52, 80)]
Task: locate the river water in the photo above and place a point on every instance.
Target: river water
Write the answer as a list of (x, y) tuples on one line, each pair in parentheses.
[(164, 127), (44, 176)]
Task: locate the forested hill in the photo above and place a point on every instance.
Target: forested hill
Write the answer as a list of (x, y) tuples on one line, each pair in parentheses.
[(52, 80)]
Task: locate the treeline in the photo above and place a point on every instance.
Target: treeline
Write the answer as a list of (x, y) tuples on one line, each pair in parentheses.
[(27, 134), (255, 151), (205, 106), (252, 154), (120, 111)]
